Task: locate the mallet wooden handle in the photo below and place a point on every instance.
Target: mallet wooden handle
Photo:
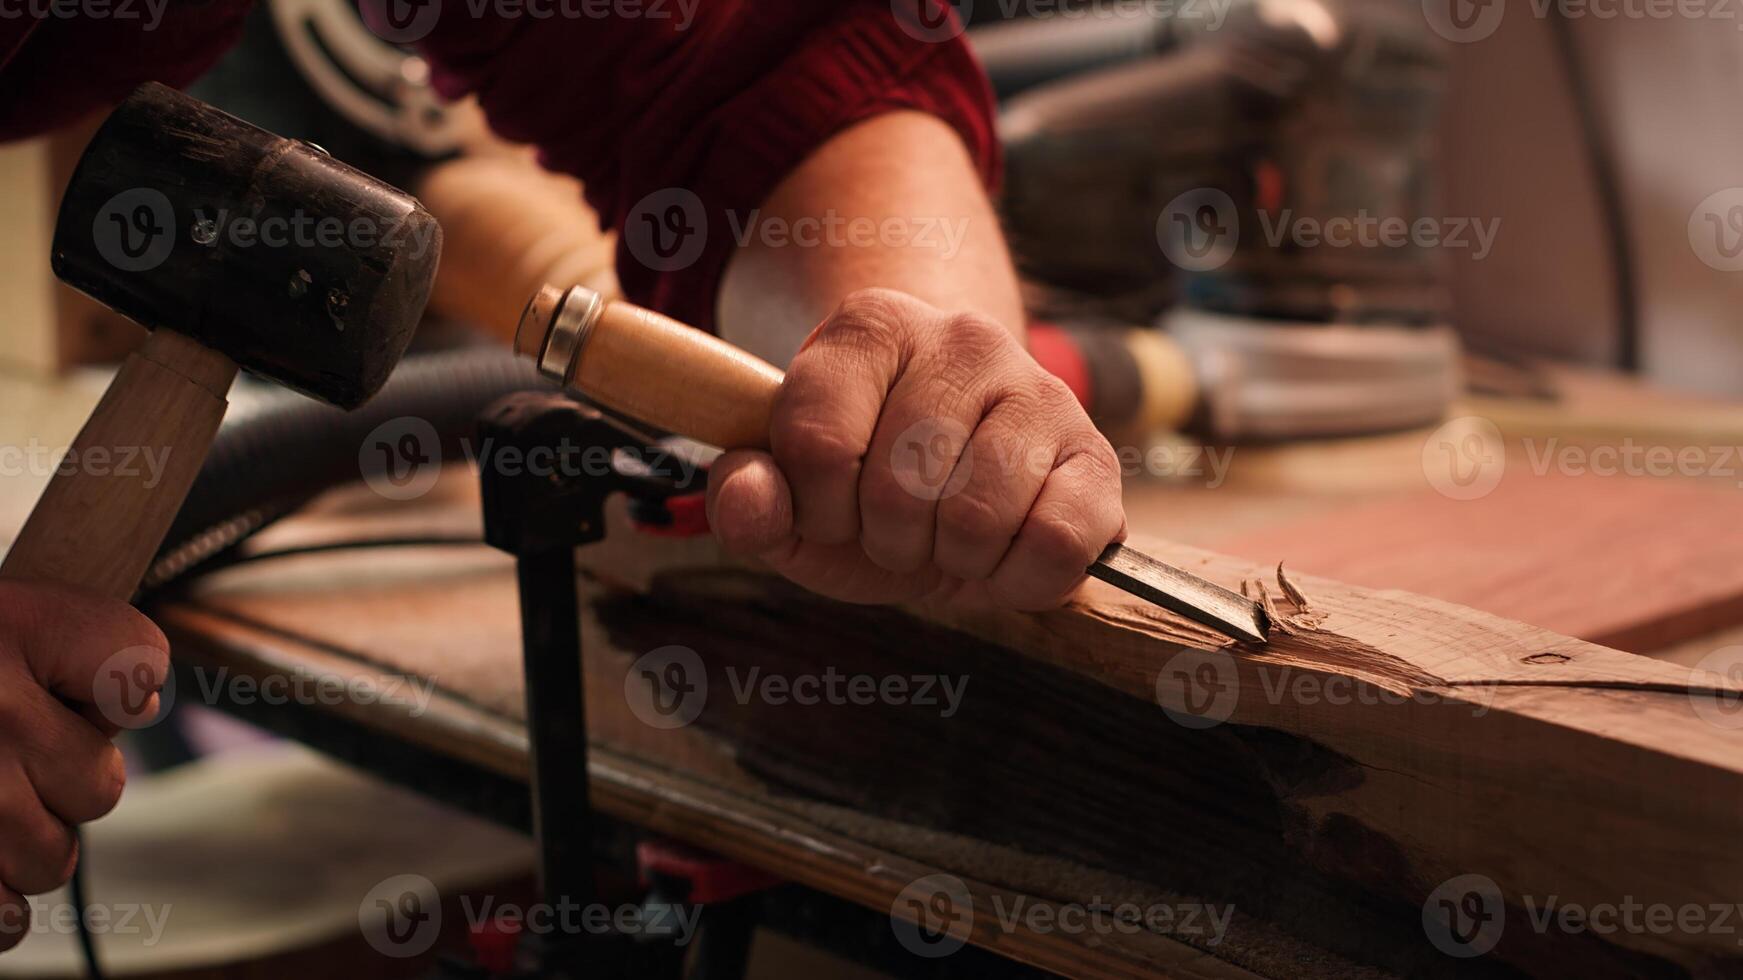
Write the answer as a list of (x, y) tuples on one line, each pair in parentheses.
[(110, 503), (650, 367)]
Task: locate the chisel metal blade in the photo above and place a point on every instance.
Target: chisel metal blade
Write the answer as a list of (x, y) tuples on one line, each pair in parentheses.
[(1177, 591)]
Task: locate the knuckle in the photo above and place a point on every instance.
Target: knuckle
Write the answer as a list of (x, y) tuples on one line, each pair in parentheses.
[(977, 328), (152, 661), (40, 856), (978, 332), (61, 860), (107, 783), (970, 342), (139, 631), (893, 556), (1053, 392), (1052, 403), (1059, 543), (972, 519), (969, 370), (1099, 463), (810, 447), (872, 315), (158, 661), (1029, 592), (883, 499)]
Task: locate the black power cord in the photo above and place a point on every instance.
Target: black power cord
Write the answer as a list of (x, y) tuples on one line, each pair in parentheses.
[(87, 941), (231, 559)]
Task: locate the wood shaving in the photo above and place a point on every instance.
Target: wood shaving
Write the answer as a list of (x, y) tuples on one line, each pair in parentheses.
[(1304, 618), (1265, 603), (1294, 594)]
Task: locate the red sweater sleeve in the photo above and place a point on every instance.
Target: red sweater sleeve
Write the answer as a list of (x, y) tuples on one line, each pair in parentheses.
[(682, 119), (56, 70)]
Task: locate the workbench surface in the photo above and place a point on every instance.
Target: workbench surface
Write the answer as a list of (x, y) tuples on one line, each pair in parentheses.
[(1365, 510)]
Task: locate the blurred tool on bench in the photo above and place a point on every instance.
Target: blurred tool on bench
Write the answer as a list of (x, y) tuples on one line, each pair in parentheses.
[(1156, 159)]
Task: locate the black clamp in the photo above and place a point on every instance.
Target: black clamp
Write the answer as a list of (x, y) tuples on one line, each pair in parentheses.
[(547, 466)]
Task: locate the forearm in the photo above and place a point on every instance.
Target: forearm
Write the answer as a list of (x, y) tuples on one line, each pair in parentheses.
[(895, 202)]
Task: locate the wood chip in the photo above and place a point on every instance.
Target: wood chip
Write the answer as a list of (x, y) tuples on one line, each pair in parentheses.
[(1294, 594), (1265, 602)]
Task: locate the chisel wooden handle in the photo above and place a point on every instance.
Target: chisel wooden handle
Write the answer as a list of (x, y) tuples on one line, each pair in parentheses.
[(650, 367), (665, 374), (107, 508)]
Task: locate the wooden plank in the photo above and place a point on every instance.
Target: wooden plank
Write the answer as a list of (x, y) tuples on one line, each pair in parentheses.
[(1459, 744), (1392, 743), (679, 784), (1634, 563), (1601, 407)]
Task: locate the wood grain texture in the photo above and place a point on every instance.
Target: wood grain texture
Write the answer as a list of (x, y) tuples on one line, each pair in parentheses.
[(1400, 741), (677, 378), (103, 515)]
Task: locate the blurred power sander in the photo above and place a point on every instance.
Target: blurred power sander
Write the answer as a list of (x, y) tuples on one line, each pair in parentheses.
[(1158, 158)]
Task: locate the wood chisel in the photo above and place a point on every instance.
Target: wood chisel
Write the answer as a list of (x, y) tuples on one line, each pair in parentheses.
[(680, 379)]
